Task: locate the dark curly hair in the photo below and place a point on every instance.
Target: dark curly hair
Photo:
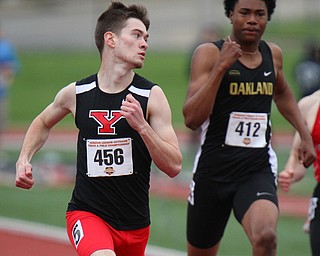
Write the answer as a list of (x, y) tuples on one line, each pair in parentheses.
[(230, 4)]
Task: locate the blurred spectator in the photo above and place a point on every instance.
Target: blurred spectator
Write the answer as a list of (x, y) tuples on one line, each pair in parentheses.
[(9, 65), (208, 33), (307, 71)]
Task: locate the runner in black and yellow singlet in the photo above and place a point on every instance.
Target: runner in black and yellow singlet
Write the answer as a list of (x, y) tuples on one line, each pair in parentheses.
[(235, 159), (232, 85), (237, 133)]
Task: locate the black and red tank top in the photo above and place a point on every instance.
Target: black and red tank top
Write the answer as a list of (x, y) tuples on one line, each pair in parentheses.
[(113, 163), (316, 142)]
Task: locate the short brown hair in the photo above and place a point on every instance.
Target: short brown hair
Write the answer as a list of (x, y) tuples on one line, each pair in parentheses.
[(114, 19)]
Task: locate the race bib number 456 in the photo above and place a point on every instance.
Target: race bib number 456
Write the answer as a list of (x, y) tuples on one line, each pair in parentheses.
[(107, 158), (247, 130)]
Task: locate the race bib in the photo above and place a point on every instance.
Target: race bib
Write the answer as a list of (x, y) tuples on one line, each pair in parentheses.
[(247, 130), (108, 158)]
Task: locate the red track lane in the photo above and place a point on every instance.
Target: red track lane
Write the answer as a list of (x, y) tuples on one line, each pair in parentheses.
[(15, 244)]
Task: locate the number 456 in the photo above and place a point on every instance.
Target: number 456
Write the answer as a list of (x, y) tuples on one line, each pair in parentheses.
[(109, 156)]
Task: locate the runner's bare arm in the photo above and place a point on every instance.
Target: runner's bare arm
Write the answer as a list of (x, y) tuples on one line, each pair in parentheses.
[(38, 132), (205, 77), (294, 168), (159, 136), (287, 106)]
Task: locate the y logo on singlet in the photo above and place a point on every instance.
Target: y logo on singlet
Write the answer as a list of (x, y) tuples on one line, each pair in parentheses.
[(107, 119)]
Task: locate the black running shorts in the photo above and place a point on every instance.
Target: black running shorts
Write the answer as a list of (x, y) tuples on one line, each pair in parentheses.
[(211, 203)]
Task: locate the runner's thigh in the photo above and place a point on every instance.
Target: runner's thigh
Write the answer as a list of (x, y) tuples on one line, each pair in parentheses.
[(257, 186), (88, 233), (209, 209)]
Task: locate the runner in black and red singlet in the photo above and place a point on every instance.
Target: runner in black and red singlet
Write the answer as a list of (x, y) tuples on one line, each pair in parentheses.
[(295, 171), (124, 123)]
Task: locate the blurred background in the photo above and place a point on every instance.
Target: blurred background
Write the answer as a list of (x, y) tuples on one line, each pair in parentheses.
[(54, 24), (66, 28), (54, 44)]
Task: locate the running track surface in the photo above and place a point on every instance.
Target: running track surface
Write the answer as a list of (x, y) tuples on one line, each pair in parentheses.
[(19, 237), (31, 239)]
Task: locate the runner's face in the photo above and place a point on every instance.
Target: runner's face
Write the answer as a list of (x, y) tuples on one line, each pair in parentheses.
[(249, 19), (132, 43)]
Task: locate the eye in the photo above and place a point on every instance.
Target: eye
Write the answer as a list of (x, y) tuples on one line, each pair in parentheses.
[(261, 14), (137, 35), (244, 12)]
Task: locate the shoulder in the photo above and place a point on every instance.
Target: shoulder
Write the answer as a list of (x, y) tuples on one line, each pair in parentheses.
[(158, 104), (309, 106), (142, 82), (141, 86), (158, 98), (206, 48), (308, 101), (157, 93), (66, 96), (275, 50), (86, 84), (87, 80), (205, 55), (67, 92), (274, 47)]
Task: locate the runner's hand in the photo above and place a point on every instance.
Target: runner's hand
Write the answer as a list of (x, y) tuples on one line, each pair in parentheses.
[(24, 177), (132, 111), (285, 179), (230, 52), (307, 154)]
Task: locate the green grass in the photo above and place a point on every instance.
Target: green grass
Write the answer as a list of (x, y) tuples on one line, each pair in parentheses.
[(294, 30), (42, 75), (42, 204)]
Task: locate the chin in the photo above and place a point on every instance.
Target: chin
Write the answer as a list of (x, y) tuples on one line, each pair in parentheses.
[(138, 65)]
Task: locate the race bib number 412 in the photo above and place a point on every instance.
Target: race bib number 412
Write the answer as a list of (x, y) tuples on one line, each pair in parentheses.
[(247, 130), (111, 157)]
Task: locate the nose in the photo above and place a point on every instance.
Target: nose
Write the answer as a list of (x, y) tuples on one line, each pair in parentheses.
[(252, 19), (144, 45)]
